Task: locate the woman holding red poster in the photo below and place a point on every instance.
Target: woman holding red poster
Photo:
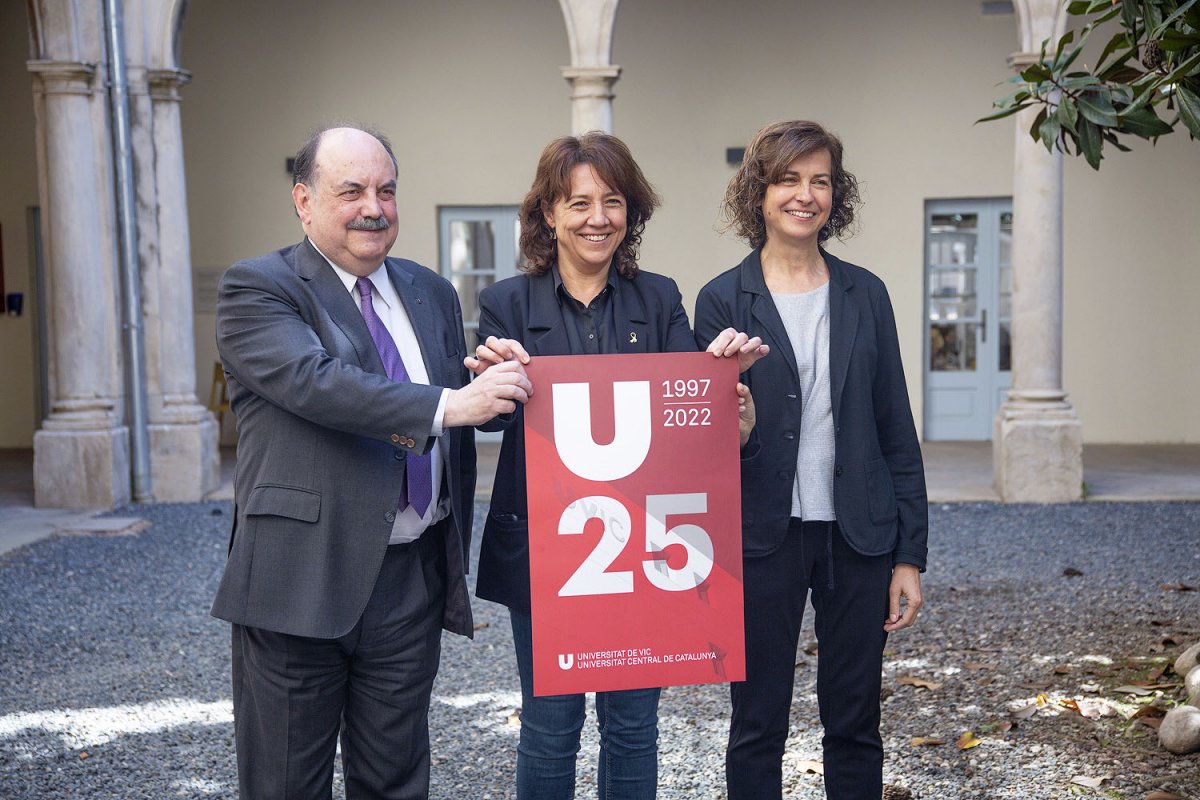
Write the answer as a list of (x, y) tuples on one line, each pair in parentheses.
[(833, 491), (581, 224)]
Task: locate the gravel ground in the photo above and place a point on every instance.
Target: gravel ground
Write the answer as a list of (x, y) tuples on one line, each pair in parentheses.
[(116, 681)]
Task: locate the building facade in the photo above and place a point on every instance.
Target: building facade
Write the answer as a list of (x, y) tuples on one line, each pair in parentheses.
[(979, 233)]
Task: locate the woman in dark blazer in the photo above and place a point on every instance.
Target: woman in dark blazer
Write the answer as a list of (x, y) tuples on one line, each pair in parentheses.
[(833, 488), (581, 224)]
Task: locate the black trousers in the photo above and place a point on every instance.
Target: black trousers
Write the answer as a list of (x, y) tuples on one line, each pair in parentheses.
[(849, 597), (292, 695)]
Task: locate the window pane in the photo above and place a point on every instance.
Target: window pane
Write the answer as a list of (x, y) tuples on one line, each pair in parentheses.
[(1005, 346), (952, 294), (953, 238), (952, 347), (469, 286), (472, 245)]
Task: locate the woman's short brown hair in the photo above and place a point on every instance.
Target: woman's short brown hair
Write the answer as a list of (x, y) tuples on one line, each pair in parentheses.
[(767, 158), (613, 162)]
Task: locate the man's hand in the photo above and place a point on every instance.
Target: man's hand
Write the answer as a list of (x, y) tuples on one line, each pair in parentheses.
[(745, 413), (731, 343), (906, 583), (496, 351), (495, 391)]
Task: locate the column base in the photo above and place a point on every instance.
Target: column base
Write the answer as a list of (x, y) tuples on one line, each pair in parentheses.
[(85, 468), (1037, 452), (185, 462)]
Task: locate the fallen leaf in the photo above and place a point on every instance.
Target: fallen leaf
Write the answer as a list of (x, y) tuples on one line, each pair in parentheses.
[(1042, 700), (1089, 687), (1180, 587), (1172, 638), (919, 741), (920, 683), (481, 625), (1035, 685), (1150, 722), (1071, 704), (1091, 783), (986, 680), (84, 755), (514, 718), (1154, 674), (967, 741), (1071, 572), (1164, 796), (977, 665), (1148, 685), (1062, 669), (1138, 690), (815, 767), (1150, 710)]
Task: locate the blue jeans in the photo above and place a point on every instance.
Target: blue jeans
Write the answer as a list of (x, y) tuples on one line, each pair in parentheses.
[(550, 729)]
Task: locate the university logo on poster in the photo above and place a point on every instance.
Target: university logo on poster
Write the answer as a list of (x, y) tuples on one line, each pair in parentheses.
[(634, 521)]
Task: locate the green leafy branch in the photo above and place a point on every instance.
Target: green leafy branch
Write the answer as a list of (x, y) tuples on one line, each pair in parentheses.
[(1150, 65)]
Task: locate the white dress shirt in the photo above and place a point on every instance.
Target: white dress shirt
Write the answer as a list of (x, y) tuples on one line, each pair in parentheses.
[(408, 525)]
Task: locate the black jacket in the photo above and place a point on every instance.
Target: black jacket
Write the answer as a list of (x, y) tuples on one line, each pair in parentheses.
[(879, 479), (649, 316)]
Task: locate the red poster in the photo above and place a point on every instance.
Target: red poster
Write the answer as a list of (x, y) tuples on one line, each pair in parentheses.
[(635, 543)]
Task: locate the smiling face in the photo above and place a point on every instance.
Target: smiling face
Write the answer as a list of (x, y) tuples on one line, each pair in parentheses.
[(349, 211), (589, 223), (797, 206)]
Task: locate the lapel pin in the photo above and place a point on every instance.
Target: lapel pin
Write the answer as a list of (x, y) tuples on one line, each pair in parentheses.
[(633, 337)]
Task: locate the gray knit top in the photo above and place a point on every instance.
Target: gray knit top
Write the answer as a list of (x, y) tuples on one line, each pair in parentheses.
[(806, 319)]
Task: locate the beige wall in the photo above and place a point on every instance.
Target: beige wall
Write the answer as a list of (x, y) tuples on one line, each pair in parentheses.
[(1132, 284), (470, 92), (18, 193)]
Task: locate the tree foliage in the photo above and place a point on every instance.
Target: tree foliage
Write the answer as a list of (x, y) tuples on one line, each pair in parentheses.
[(1145, 82)]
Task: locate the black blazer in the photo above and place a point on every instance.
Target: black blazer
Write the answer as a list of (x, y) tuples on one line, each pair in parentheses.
[(526, 309), (879, 480)]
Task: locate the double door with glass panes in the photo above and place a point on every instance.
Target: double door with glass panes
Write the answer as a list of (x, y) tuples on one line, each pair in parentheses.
[(968, 316)]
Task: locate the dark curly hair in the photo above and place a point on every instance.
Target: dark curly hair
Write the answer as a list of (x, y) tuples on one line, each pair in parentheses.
[(613, 162), (767, 158)]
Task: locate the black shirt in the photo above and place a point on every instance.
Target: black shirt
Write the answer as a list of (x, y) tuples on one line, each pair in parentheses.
[(591, 329)]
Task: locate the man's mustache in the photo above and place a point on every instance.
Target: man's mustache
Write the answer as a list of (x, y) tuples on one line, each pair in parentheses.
[(369, 224)]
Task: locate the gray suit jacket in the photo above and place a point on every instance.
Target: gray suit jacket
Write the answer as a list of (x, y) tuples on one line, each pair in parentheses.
[(323, 441)]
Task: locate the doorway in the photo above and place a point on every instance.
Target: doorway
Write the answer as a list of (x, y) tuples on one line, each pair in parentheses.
[(968, 316)]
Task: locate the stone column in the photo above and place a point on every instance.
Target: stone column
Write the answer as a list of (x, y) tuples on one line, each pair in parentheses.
[(591, 74), (1037, 444), (184, 459), (81, 453), (591, 97)]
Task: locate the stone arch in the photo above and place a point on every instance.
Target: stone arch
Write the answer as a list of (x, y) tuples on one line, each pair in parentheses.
[(165, 33)]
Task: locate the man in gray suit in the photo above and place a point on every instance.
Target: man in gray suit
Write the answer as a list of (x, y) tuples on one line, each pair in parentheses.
[(355, 478)]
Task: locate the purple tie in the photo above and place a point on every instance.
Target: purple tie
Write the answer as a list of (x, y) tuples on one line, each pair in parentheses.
[(420, 473)]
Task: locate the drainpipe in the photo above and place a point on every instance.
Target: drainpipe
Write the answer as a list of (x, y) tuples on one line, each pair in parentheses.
[(131, 283)]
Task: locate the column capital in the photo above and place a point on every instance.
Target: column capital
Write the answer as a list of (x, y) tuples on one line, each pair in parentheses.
[(1019, 60), (166, 83), (591, 81), (63, 77)]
